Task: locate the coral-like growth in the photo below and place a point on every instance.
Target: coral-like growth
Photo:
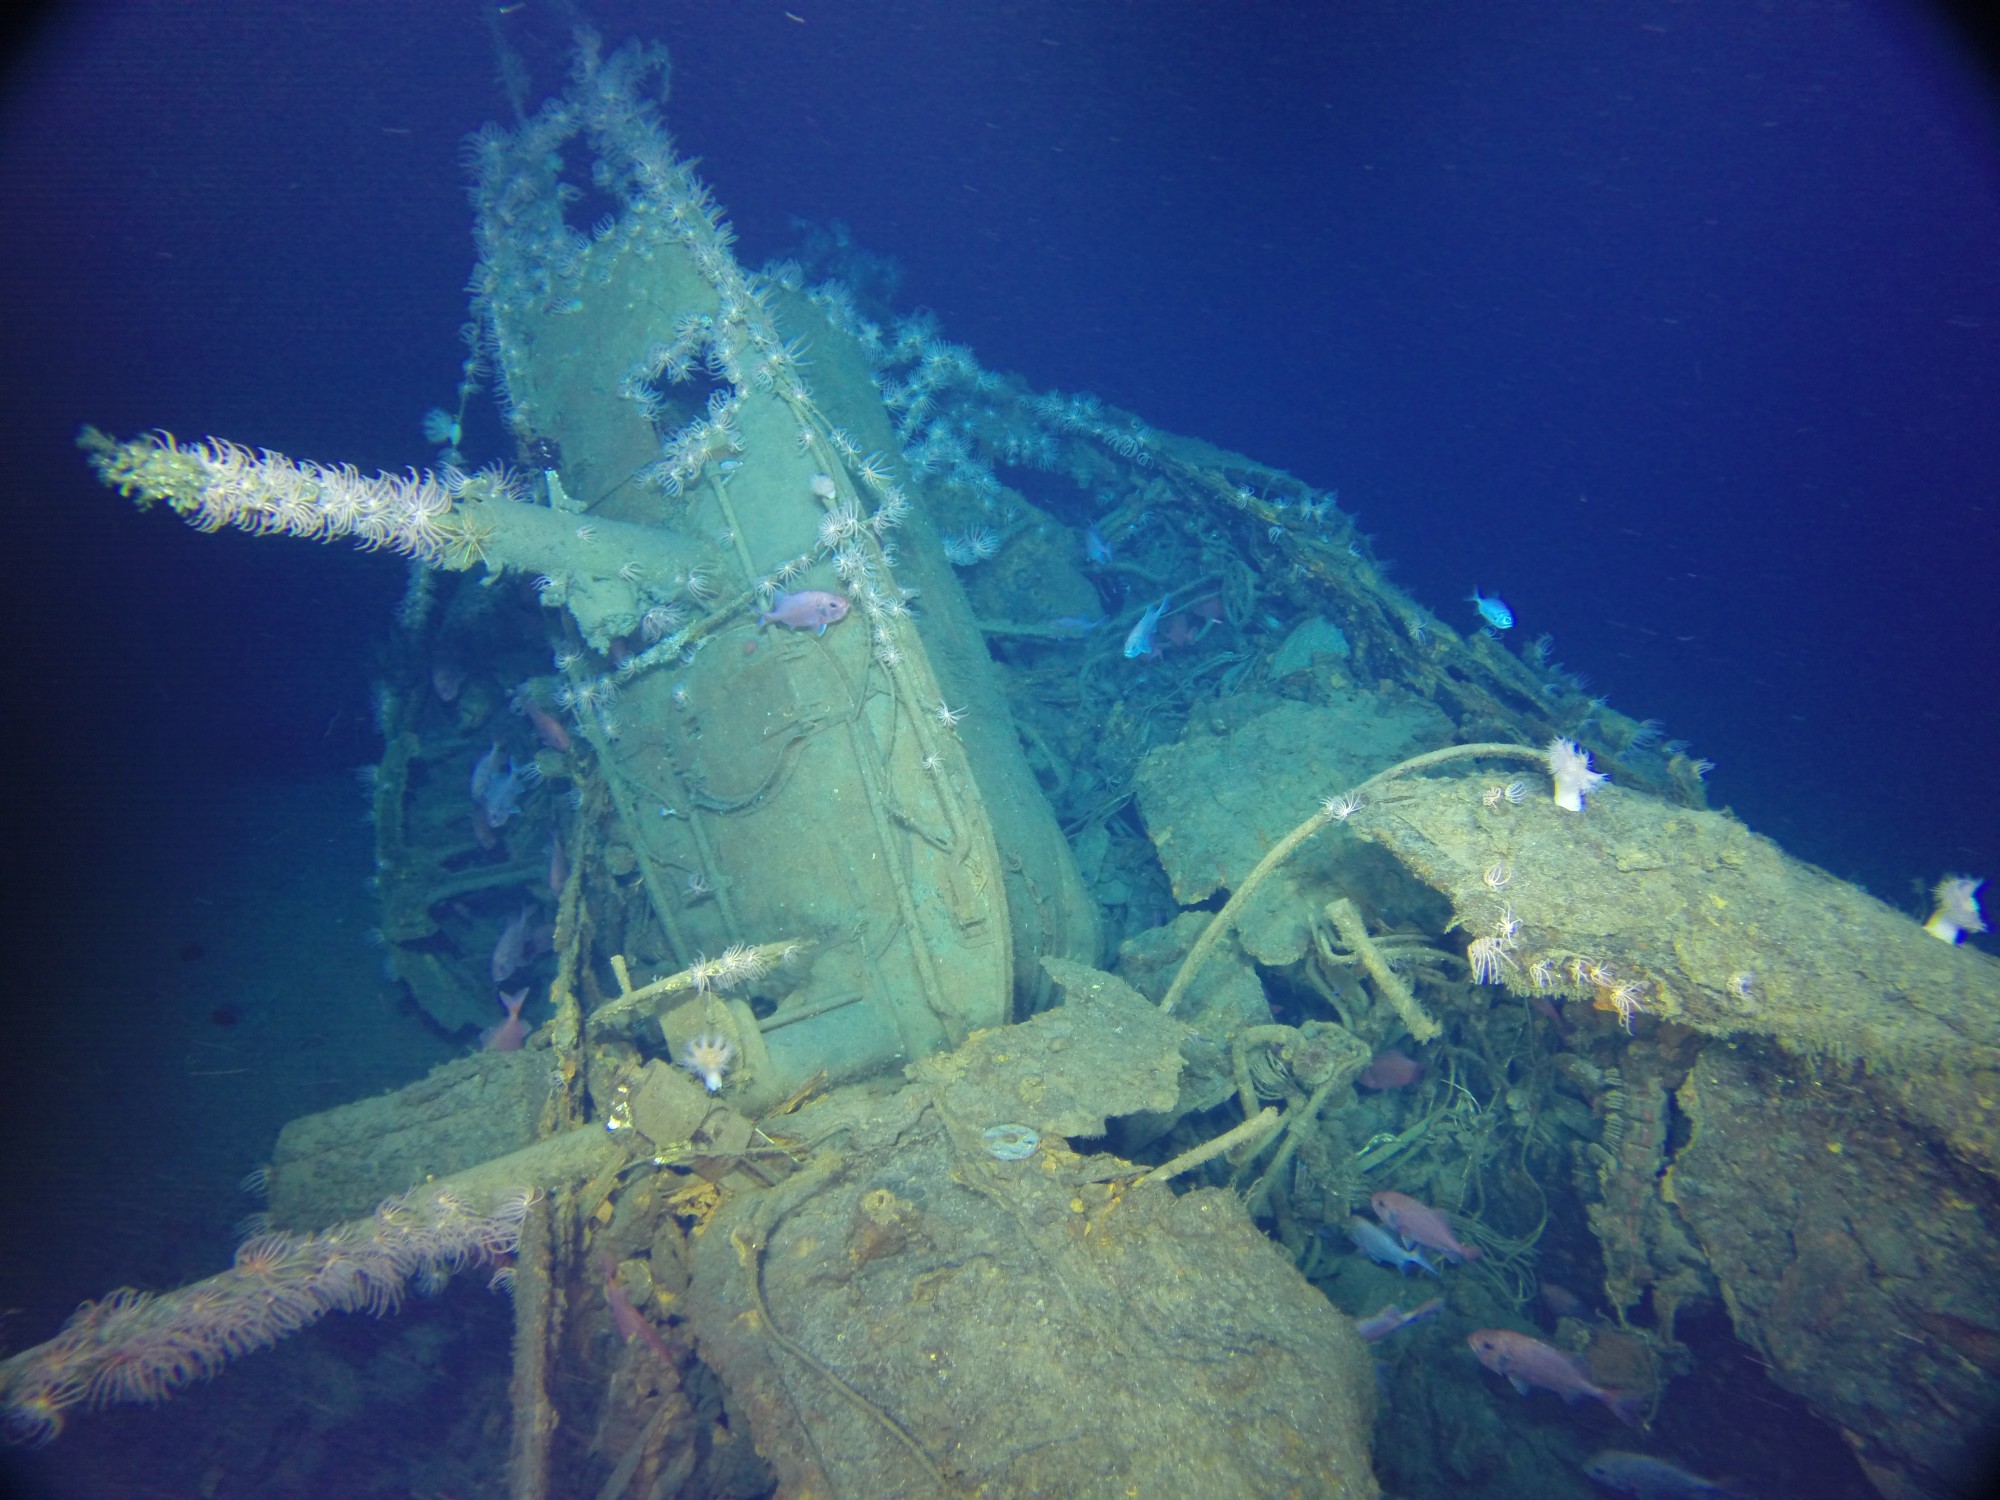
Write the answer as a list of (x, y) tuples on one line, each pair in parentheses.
[(215, 483), (975, 545), (441, 428), (1957, 913), (1569, 766), (708, 1057), (139, 1346), (740, 964)]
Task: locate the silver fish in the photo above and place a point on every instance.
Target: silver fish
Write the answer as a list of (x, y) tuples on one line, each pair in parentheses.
[(511, 951), (1389, 1319), (1375, 1242), (1140, 641), (1648, 1478)]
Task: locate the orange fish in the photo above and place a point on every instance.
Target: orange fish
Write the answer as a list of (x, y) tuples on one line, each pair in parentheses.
[(1529, 1362), (1420, 1224), (510, 1033)]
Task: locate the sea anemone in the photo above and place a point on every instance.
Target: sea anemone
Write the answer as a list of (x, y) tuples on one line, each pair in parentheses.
[(708, 1057), (1569, 764), (740, 964), (1957, 909), (441, 427)]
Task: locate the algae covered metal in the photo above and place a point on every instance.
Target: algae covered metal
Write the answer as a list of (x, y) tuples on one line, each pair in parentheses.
[(1047, 1325), (1644, 908), (1795, 1083)]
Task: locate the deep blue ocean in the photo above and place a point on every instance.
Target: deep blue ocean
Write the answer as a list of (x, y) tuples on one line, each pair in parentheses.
[(1675, 324)]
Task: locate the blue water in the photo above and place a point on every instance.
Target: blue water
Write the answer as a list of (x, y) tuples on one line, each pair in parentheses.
[(1677, 326)]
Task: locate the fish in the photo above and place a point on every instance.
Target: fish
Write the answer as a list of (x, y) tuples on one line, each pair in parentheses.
[(1528, 1363), (1389, 1319), (1095, 548), (511, 951), (547, 725), (1140, 641), (484, 771), (1391, 1068), (1375, 1242), (808, 609), (496, 793), (1493, 610), (627, 1319), (1075, 624), (1561, 1301), (510, 1033), (1647, 1478), (1420, 1224)]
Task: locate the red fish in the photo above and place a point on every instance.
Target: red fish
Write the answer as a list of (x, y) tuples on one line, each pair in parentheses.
[(1390, 1069), (547, 726), (626, 1318), (1561, 1301), (1182, 631), (1529, 1362), (809, 609), (1420, 1224), (510, 1033)]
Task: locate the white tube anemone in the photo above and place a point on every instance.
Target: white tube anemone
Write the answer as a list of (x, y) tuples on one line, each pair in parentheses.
[(1569, 765), (1957, 911)]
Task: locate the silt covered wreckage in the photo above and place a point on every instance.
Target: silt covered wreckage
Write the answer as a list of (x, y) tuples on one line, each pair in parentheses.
[(945, 1075)]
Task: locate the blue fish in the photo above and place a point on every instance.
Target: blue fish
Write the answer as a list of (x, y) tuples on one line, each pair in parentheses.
[(1095, 548), (1493, 611), (1375, 1242), (1140, 641)]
